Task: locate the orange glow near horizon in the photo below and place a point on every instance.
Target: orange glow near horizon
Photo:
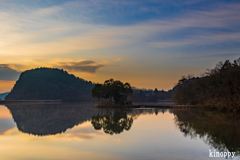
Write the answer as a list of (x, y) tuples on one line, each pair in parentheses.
[(6, 86), (58, 146), (4, 113)]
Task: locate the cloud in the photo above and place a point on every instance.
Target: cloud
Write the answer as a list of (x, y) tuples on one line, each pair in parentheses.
[(48, 11), (80, 65), (7, 72), (84, 131), (88, 66), (26, 34), (102, 29)]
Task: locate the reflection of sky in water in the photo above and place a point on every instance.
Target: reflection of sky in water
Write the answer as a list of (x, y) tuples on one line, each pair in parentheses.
[(6, 121), (150, 137), (6, 124)]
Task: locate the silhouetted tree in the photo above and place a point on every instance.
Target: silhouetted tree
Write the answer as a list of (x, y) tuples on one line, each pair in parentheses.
[(97, 91), (113, 91)]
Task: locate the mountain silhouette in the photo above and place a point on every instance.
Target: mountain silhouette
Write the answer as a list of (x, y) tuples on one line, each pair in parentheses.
[(49, 84)]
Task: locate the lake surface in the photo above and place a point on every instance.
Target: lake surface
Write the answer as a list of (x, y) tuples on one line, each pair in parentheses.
[(79, 131)]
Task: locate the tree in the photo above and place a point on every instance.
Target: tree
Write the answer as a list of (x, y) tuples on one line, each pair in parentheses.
[(156, 91), (97, 91), (114, 91)]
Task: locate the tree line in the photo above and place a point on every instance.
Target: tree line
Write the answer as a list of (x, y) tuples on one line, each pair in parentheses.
[(140, 95), (219, 87)]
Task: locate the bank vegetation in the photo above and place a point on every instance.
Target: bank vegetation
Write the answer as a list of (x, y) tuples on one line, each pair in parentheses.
[(219, 87)]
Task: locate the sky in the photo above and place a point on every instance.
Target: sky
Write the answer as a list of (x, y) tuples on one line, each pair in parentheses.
[(150, 44)]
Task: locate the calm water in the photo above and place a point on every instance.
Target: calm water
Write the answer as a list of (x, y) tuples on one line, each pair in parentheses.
[(79, 131)]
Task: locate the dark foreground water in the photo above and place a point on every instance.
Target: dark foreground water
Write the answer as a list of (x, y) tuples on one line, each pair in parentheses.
[(79, 131)]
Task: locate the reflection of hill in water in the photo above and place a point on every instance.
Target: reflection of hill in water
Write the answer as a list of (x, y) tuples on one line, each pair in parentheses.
[(50, 119), (217, 129)]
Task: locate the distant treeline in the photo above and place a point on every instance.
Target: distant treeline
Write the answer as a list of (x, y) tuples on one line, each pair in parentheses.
[(143, 95), (219, 87)]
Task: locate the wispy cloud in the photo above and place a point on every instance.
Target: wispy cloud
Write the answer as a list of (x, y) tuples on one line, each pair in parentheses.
[(83, 131), (48, 11), (87, 66), (73, 66), (153, 32), (60, 36)]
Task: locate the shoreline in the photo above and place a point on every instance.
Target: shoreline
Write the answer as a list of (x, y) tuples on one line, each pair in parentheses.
[(148, 106), (138, 105), (142, 106), (57, 101)]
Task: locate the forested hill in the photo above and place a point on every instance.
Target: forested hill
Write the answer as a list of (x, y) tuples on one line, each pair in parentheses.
[(48, 84), (220, 87)]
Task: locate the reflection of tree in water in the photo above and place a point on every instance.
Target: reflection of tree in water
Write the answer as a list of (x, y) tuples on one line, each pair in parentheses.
[(219, 130), (113, 121), (51, 119)]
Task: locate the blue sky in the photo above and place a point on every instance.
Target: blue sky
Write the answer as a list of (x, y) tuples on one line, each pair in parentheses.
[(149, 44)]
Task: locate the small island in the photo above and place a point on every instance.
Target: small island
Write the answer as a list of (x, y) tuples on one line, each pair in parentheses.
[(113, 93)]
